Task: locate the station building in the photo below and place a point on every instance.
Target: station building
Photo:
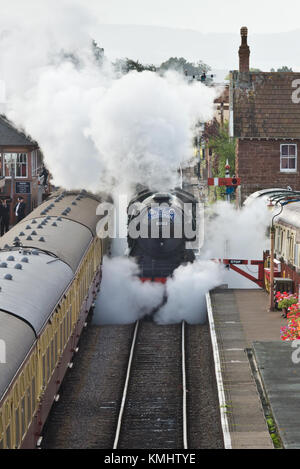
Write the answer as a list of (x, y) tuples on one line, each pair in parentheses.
[(20, 166), (265, 119)]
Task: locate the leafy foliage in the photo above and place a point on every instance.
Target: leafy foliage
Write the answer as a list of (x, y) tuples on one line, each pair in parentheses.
[(127, 65), (284, 68), (223, 147), (182, 65)]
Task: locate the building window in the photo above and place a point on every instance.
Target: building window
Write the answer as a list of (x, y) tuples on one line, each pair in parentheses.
[(16, 162), (288, 158), (34, 168)]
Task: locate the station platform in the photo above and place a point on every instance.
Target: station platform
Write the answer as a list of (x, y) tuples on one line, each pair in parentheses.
[(245, 328)]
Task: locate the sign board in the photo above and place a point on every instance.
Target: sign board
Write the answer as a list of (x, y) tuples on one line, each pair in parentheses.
[(237, 261), (163, 212), (23, 187), (223, 182)]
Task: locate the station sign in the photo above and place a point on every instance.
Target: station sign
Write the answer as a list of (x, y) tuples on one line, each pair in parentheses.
[(237, 261), (23, 187)]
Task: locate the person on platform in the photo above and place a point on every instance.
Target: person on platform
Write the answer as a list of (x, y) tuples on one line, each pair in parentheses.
[(44, 174), (20, 209), (4, 215)]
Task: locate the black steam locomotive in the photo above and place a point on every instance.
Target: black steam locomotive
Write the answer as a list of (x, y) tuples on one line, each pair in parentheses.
[(161, 230)]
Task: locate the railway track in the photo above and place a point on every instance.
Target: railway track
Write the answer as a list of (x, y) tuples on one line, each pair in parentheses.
[(139, 387), (153, 410)]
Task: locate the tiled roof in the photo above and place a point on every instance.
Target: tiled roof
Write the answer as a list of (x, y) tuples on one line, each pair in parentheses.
[(11, 136), (263, 105)]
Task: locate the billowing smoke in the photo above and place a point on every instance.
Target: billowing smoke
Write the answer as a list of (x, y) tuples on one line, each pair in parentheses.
[(143, 126), (137, 129), (94, 129), (229, 233), (186, 293), (102, 132), (237, 234), (123, 298)]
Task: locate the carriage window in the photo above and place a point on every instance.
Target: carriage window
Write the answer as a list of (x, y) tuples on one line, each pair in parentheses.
[(288, 158)]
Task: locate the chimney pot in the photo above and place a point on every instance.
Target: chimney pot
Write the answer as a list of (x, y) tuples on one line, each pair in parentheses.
[(244, 51), (244, 31)]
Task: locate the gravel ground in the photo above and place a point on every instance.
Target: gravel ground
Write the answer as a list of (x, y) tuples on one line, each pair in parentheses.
[(205, 431), (153, 412), (87, 412)]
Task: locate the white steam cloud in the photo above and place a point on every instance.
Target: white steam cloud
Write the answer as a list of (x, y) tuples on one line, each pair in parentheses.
[(102, 132), (186, 293), (123, 298), (237, 234), (93, 128), (143, 126)]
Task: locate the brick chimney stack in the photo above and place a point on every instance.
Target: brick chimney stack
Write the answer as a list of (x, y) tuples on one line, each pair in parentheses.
[(244, 52)]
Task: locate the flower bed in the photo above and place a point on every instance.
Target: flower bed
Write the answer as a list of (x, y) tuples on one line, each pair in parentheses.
[(286, 300), (290, 303)]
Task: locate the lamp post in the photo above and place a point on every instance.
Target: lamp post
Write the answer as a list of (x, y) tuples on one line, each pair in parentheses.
[(272, 239)]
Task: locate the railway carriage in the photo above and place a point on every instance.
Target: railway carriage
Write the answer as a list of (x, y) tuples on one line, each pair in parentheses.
[(286, 240), (50, 273)]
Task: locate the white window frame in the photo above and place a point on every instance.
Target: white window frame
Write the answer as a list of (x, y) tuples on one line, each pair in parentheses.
[(288, 170), (34, 163), (15, 165)]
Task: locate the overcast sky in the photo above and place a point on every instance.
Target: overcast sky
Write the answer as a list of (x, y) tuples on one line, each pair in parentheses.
[(151, 31), (202, 15)]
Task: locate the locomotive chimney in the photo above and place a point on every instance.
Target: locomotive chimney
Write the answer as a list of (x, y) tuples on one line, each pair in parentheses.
[(244, 51)]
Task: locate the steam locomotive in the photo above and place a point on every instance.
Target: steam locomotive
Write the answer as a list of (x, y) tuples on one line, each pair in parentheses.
[(161, 231)]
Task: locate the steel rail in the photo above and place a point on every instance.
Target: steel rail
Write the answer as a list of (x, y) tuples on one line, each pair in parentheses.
[(184, 390), (118, 430)]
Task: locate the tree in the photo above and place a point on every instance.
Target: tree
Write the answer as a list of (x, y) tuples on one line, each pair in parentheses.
[(181, 65), (127, 65), (223, 147), (284, 68)]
